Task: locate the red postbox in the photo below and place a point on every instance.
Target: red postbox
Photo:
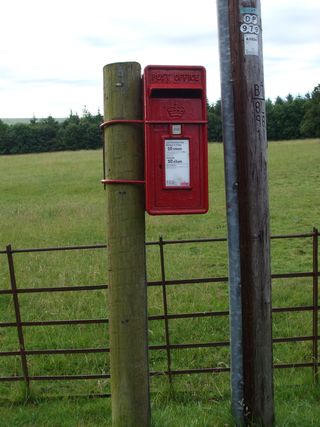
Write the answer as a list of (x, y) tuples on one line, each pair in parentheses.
[(176, 146)]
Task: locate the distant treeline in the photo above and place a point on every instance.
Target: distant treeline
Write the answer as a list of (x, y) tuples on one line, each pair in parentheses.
[(74, 133), (289, 118)]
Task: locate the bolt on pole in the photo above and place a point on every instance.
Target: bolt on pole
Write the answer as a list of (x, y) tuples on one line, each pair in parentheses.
[(246, 86), (124, 159)]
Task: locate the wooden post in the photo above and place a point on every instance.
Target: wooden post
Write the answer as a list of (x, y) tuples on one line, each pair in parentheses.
[(251, 152), (126, 247)]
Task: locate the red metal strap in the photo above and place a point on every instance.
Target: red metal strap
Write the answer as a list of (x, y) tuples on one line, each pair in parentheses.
[(176, 121), (152, 122), (121, 181), (113, 122)]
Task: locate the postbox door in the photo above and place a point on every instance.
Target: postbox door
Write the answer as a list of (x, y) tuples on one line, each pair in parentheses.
[(177, 180)]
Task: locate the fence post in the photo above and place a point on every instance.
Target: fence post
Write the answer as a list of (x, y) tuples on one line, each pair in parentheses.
[(124, 160), (16, 305)]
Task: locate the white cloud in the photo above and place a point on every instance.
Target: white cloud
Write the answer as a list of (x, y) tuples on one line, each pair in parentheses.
[(53, 54), (291, 48)]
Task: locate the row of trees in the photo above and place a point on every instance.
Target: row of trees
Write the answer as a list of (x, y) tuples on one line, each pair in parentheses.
[(74, 133), (290, 118)]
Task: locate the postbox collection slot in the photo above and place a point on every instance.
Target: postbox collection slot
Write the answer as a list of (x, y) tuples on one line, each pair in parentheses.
[(176, 93)]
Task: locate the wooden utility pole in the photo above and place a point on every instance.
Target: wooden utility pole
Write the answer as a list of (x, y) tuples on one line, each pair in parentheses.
[(246, 80), (124, 160), (251, 146)]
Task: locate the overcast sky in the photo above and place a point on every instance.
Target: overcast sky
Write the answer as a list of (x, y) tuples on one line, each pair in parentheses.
[(52, 53)]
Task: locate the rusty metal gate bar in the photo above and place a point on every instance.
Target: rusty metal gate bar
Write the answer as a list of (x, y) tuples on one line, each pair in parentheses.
[(22, 351), (315, 303), (165, 307), (19, 324)]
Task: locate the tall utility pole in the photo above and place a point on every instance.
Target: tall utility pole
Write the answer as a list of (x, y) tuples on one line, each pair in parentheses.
[(126, 245), (243, 105)]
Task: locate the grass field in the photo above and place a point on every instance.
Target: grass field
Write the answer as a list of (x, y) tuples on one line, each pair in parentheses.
[(56, 199)]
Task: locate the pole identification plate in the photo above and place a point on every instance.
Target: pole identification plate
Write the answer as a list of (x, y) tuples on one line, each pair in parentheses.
[(251, 44)]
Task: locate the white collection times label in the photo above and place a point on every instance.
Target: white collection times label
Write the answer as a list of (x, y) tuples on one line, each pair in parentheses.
[(177, 162)]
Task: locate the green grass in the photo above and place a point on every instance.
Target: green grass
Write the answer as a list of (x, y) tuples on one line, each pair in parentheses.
[(56, 199)]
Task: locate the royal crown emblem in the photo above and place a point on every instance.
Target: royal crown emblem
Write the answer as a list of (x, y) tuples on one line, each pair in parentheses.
[(176, 111)]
